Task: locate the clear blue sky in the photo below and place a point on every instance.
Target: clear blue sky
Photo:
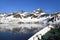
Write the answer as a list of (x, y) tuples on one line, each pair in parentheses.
[(48, 6)]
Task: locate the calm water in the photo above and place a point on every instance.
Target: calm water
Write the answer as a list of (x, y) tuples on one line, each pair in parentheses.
[(18, 36), (12, 36)]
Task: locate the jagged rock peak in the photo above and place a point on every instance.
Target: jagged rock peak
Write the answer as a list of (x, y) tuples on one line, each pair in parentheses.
[(38, 11)]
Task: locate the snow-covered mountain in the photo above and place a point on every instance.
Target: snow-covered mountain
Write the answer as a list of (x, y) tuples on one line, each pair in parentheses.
[(23, 17), (37, 16), (15, 21)]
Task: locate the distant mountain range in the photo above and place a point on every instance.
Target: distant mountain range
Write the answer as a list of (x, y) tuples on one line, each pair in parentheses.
[(37, 16), (14, 22)]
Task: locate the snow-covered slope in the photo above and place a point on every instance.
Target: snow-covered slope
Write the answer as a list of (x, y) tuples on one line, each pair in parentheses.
[(24, 17), (37, 16)]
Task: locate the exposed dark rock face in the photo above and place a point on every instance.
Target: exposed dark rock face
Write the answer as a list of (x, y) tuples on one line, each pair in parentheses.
[(17, 16), (7, 15), (20, 22), (52, 19)]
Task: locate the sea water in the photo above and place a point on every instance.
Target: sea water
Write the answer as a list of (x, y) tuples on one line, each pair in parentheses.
[(4, 35)]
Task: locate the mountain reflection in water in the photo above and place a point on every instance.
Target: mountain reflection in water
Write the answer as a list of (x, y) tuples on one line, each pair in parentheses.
[(24, 33)]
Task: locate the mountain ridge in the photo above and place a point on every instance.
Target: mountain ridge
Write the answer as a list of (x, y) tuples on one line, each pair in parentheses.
[(37, 16)]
